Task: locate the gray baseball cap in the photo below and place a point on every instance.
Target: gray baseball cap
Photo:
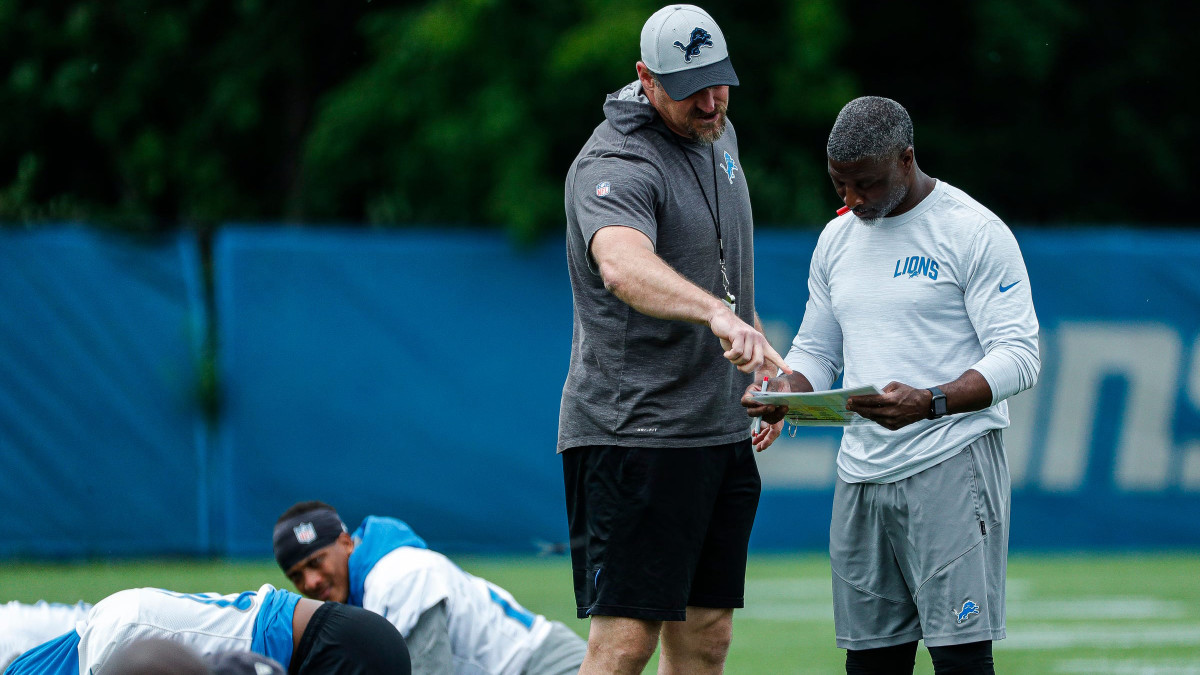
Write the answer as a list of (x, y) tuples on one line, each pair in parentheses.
[(685, 48)]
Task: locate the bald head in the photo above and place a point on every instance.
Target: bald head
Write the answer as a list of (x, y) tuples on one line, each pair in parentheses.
[(869, 127), (155, 656)]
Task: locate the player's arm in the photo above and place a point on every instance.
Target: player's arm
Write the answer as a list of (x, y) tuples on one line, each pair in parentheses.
[(633, 272), (429, 643)]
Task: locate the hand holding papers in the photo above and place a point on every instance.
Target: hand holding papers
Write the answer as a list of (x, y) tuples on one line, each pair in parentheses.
[(816, 408)]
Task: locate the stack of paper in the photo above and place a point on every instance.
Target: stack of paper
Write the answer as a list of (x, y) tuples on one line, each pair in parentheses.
[(817, 408)]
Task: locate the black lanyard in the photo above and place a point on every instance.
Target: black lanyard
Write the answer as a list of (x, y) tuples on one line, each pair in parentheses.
[(730, 298)]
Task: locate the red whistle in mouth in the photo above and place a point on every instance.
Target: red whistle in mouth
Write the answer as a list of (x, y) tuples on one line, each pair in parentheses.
[(843, 211)]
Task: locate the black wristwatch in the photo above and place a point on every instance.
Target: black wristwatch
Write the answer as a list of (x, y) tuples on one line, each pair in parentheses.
[(937, 407)]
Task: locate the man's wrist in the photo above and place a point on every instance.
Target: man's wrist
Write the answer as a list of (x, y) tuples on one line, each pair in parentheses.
[(937, 403)]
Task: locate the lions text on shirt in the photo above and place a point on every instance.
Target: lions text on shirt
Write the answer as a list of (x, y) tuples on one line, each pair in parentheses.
[(919, 298), (394, 575)]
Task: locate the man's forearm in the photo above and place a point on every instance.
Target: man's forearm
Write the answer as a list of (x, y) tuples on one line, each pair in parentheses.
[(648, 284), (968, 393)]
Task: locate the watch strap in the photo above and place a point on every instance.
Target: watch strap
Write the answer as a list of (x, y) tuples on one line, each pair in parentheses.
[(937, 405)]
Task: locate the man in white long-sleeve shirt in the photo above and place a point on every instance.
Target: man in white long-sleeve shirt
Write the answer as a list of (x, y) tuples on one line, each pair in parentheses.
[(919, 290)]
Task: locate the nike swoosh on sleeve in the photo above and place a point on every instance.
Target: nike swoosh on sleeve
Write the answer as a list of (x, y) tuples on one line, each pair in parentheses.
[(1004, 288)]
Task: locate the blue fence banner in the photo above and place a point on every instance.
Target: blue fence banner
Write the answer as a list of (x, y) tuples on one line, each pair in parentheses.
[(103, 446), (418, 374), (1105, 450), (408, 374)]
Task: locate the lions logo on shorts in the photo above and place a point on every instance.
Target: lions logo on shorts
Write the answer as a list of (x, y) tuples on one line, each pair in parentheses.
[(969, 607)]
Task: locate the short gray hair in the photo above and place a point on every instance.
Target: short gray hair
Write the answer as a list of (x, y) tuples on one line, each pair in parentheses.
[(869, 127)]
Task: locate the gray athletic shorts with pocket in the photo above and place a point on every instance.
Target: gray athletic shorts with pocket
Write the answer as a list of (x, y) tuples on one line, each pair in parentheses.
[(923, 557)]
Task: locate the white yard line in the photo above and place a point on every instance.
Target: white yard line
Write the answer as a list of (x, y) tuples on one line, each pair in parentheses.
[(1106, 635), (1129, 666), (1093, 608), (1093, 621)]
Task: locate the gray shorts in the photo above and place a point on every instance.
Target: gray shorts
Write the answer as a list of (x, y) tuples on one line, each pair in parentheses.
[(923, 557)]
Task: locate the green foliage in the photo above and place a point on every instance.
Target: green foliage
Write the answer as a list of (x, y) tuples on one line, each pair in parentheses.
[(150, 115), (146, 116), (468, 112)]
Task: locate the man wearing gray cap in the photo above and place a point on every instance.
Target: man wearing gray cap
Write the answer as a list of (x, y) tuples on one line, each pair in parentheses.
[(658, 461)]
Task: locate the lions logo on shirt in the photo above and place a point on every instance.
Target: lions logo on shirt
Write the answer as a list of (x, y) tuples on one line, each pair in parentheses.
[(730, 167)]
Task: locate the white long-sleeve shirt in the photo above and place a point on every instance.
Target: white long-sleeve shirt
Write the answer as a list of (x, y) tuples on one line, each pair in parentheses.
[(393, 574), (490, 632), (919, 299)]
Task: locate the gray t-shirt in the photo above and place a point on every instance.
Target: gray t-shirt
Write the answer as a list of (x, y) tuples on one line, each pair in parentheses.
[(636, 380)]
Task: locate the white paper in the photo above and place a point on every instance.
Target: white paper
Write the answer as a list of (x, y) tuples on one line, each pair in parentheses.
[(817, 408)]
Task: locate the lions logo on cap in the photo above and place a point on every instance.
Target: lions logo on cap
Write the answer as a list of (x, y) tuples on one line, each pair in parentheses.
[(700, 38), (305, 533)]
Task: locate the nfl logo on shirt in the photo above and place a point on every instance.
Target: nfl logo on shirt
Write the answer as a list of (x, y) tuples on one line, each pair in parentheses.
[(305, 533), (602, 189)]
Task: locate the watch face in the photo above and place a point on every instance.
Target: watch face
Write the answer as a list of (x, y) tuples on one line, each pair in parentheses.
[(937, 406)]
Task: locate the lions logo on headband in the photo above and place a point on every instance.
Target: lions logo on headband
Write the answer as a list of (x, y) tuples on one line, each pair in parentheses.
[(305, 533)]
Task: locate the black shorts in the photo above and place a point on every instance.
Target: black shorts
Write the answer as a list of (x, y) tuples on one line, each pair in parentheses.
[(654, 530), (347, 640)]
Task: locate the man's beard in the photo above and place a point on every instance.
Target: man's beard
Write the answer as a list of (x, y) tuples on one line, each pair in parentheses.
[(708, 134), (894, 198)]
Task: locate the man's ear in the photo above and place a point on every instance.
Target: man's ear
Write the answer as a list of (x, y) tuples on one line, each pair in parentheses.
[(647, 81)]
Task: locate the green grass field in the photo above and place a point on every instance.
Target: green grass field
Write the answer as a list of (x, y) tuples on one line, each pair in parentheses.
[(1124, 614)]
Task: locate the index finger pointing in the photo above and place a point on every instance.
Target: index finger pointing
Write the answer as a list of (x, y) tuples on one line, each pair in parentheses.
[(774, 357)]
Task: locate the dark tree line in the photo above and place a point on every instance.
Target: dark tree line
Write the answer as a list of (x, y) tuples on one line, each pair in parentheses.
[(146, 116)]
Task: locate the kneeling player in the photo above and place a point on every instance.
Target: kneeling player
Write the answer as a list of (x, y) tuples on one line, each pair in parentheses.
[(305, 636), (454, 622)]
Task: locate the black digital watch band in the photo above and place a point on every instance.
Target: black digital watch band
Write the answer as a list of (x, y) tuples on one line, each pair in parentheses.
[(937, 406)]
